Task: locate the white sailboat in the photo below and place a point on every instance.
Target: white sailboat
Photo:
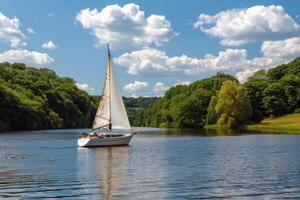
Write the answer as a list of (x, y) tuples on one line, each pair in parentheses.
[(111, 126)]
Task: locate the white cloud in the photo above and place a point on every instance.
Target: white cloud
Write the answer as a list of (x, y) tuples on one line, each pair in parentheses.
[(49, 45), (287, 49), (242, 76), (153, 61), (10, 31), (274, 53), (233, 61), (136, 86), (179, 82), (242, 26), (30, 30), (33, 58), (125, 26), (85, 87), (159, 88)]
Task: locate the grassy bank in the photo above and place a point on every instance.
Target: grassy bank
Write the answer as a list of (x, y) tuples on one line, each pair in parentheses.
[(287, 124), (284, 124)]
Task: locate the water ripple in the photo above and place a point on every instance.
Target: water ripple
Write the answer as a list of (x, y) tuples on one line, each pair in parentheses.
[(156, 167)]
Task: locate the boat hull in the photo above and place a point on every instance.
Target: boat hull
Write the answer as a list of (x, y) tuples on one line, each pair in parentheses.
[(103, 142)]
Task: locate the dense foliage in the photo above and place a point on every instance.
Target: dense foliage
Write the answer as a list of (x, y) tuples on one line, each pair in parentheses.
[(275, 92), (266, 94), (182, 105), (33, 98), (233, 107), (133, 105)]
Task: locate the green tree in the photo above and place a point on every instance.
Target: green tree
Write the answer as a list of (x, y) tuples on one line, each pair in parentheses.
[(212, 116), (275, 101), (233, 105), (255, 90)]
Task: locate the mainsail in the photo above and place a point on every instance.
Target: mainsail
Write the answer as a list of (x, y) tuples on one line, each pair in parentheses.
[(111, 111)]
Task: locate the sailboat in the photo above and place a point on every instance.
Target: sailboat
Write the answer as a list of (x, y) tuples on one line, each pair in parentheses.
[(111, 126)]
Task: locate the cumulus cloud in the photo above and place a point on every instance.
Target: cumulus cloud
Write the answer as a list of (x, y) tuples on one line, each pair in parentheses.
[(288, 48), (10, 31), (242, 76), (136, 86), (241, 26), (234, 61), (125, 26), (158, 62), (49, 45), (159, 88), (85, 87), (30, 30), (179, 82), (33, 58)]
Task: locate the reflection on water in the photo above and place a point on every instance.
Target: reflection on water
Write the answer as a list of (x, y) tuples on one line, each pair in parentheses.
[(190, 132), (107, 165), (158, 164)]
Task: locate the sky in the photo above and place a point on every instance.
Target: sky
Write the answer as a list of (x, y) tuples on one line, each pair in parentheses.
[(155, 44)]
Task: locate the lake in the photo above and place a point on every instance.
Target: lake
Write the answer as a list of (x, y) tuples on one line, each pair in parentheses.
[(158, 164)]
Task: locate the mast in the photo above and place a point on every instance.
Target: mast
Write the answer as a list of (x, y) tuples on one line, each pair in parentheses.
[(109, 71), (111, 111)]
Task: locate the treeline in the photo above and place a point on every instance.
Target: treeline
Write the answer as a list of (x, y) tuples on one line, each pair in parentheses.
[(133, 105), (33, 99), (222, 100)]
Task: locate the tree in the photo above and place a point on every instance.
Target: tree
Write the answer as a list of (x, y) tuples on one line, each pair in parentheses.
[(212, 116), (193, 109), (275, 101), (233, 105), (255, 91)]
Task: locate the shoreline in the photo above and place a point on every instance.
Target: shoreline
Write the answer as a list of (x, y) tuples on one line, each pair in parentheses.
[(286, 124)]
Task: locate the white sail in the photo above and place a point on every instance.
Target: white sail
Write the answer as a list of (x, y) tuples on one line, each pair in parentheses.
[(103, 114), (118, 112), (111, 110)]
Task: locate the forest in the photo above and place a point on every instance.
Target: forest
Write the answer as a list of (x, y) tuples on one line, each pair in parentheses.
[(222, 100), (34, 99)]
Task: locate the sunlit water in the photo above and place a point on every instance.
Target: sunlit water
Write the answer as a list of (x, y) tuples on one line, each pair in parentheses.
[(157, 165)]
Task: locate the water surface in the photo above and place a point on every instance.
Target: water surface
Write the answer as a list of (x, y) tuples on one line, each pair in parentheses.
[(164, 164)]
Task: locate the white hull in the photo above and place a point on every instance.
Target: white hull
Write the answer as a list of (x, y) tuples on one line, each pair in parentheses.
[(107, 141)]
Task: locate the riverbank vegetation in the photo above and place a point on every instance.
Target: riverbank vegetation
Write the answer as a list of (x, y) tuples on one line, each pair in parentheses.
[(220, 101), (34, 98)]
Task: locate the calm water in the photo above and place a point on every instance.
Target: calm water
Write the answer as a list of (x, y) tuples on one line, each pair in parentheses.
[(157, 165)]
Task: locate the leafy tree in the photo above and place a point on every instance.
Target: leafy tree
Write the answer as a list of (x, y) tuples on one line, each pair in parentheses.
[(212, 116), (233, 105), (255, 90), (274, 100)]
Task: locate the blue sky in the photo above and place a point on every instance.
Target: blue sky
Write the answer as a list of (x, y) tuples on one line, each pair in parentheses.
[(155, 45)]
